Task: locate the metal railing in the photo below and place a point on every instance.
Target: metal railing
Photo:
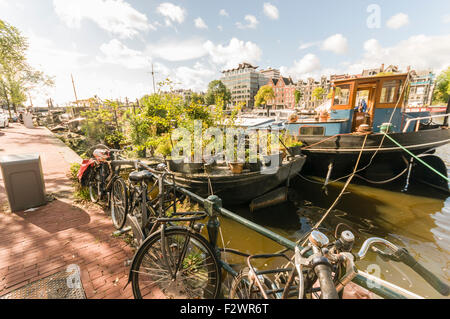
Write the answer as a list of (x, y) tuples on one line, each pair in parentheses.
[(418, 119), (213, 207)]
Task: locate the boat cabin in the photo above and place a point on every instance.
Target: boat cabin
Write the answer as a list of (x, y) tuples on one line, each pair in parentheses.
[(359, 105)]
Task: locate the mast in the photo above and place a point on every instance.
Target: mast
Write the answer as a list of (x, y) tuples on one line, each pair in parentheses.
[(74, 90)]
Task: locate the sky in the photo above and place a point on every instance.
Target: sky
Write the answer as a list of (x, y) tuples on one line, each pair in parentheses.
[(109, 46)]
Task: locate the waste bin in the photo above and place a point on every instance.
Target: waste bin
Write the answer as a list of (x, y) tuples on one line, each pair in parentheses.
[(24, 181)]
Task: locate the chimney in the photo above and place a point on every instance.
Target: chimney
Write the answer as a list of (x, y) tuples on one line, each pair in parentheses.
[(382, 67)]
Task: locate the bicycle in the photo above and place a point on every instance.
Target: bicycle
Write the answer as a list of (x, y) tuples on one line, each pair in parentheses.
[(102, 176), (176, 261), (151, 196), (320, 272)]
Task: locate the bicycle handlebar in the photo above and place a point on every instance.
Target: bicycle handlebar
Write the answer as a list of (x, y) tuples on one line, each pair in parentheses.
[(402, 255), (323, 272)]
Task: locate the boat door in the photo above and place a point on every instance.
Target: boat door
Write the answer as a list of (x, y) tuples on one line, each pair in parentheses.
[(364, 105)]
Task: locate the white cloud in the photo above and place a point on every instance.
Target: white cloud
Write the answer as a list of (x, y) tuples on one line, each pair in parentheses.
[(176, 51), (446, 18), (224, 13), (398, 21), (220, 28), (336, 43), (200, 24), (173, 13), (115, 52), (308, 64), (419, 52), (43, 54), (195, 78), (308, 45), (271, 11), (115, 16), (237, 51), (252, 22)]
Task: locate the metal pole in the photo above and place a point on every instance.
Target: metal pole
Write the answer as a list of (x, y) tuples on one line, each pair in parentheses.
[(74, 90)]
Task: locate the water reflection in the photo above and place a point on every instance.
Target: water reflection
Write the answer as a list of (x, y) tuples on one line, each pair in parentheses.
[(418, 220)]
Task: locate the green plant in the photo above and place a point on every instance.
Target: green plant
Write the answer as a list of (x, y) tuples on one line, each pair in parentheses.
[(74, 169), (80, 193)]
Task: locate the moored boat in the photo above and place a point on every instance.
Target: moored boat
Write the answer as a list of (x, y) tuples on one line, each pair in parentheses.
[(362, 110), (240, 188)]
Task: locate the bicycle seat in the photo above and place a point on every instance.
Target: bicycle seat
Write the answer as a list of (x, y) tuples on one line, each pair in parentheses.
[(143, 176)]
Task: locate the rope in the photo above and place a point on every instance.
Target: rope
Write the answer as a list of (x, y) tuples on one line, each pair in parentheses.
[(418, 158), (324, 140), (342, 191)]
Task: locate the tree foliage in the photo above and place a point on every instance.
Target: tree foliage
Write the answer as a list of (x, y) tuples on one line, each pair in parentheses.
[(318, 94), (442, 89), (217, 90), (264, 95), (298, 96), (17, 77)]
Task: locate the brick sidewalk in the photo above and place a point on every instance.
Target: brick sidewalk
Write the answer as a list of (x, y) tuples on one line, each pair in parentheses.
[(38, 244)]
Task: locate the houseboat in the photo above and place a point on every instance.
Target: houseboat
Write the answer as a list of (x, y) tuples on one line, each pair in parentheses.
[(361, 111)]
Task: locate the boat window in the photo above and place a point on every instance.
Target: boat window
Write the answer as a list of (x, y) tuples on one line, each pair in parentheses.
[(312, 130), (390, 91), (342, 95)]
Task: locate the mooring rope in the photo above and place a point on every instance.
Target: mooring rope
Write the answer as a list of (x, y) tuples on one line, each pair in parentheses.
[(417, 158), (342, 191)]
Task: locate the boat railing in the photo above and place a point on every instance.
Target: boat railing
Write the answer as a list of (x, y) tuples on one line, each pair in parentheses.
[(419, 119)]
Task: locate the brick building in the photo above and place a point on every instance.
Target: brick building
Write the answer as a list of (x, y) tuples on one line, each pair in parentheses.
[(284, 89)]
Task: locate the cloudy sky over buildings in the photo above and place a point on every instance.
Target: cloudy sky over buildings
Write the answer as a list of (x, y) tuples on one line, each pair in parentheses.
[(110, 45)]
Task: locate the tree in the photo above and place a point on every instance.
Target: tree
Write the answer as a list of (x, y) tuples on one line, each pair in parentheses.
[(318, 94), (338, 91), (17, 77), (442, 89), (298, 96), (217, 91), (264, 95)]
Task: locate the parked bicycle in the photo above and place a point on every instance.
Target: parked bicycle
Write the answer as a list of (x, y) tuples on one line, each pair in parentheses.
[(175, 261), (321, 270), (101, 174), (152, 194)]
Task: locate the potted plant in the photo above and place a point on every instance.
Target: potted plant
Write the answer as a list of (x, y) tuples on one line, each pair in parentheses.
[(236, 167), (293, 146), (324, 116)]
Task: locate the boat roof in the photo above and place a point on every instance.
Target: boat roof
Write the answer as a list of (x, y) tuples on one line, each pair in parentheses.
[(369, 78), (253, 121)]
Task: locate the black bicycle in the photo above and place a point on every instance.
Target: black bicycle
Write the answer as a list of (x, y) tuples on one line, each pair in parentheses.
[(106, 184), (152, 194), (175, 260)]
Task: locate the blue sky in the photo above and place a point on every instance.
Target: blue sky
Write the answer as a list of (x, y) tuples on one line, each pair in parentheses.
[(109, 45)]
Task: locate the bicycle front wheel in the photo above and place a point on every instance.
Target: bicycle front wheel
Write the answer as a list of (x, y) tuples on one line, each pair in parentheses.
[(179, 265), (242, 288), (119, 203)]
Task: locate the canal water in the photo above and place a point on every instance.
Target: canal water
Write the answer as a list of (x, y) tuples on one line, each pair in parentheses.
[(418, 220)]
